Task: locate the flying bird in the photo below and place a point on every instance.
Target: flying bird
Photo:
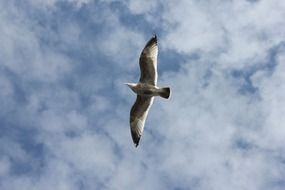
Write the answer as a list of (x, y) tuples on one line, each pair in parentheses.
[(146, 89)]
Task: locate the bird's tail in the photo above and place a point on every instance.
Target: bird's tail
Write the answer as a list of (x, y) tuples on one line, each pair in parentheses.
[(164, 92)]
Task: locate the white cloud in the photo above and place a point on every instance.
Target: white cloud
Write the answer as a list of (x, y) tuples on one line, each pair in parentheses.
[(21, 51), (47, 4), (272, 91), (4, 166), (191, 28), (237, 32), (142, 7)]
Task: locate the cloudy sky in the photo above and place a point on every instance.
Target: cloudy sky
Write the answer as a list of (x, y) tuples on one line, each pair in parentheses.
[(64, 110)]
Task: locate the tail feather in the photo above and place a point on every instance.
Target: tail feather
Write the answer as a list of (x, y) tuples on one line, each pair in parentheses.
[(164, 92)]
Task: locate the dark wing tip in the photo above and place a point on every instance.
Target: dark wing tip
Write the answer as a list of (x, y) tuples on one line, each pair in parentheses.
[(136, 138), (152, 41), (137, 144), (154, 37)]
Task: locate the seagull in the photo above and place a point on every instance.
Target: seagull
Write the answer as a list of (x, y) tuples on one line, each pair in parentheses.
[(146, 89)]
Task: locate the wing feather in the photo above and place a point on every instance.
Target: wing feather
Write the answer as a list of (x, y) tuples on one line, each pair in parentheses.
[(148, 62), (138, 116)]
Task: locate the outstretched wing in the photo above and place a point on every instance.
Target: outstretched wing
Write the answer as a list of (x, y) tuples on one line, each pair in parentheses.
[(138, 116), (148, 62)]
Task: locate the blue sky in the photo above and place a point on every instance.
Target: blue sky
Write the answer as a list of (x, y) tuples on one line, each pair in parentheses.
[(65, 109)]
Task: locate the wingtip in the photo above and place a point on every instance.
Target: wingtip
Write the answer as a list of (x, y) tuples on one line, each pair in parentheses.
[(136, 142), (154, 37), (153, 40), (136, 138), (136, 145)]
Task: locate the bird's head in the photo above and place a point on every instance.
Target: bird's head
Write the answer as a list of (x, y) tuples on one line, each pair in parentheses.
[(131, 85)]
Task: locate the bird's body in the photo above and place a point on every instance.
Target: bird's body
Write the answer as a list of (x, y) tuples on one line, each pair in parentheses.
[(146, 89)]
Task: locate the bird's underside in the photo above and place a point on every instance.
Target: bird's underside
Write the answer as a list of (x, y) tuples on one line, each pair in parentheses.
[(146, 89)]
